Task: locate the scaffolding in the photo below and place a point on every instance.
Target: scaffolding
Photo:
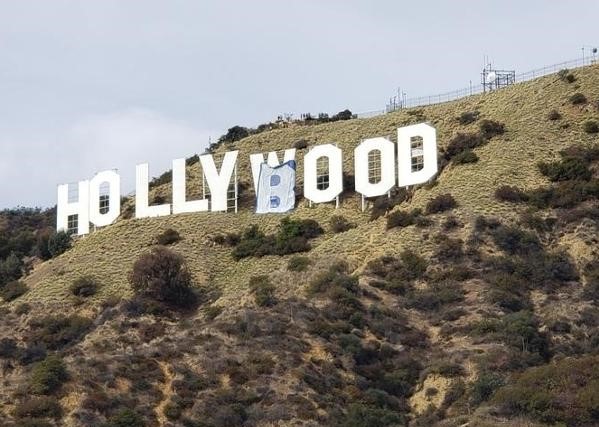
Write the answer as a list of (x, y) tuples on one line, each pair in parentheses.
[(493, 79)]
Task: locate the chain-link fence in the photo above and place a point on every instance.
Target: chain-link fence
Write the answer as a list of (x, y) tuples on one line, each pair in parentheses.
[(475, 89)]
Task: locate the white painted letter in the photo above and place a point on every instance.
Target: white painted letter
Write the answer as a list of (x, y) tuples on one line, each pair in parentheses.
[(114, 198), (273, 161), (405, 154), (180, 203), (361, 167), (142, 205), (335, 160), (80, 208), (219, 182)]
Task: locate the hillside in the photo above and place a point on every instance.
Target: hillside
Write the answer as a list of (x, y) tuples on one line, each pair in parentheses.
[(464, 315)]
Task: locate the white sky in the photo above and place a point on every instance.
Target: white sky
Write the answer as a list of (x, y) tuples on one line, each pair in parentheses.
[(101, 84)]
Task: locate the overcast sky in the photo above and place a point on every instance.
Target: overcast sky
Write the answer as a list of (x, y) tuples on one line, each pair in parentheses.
[(100, 84)]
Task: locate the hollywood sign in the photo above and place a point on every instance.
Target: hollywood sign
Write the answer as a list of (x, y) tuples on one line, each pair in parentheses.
[(396, 168)]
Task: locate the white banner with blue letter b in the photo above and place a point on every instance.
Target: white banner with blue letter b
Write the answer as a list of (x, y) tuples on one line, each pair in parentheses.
[(276, 188)]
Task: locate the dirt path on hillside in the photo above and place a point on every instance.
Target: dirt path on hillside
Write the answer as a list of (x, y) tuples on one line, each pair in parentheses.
[(167, 392)]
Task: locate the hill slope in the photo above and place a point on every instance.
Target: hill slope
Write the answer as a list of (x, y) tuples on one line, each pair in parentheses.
[(418, 324)]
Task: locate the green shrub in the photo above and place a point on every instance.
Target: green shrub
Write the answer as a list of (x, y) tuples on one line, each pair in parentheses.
[(48, 375), (554, 115), (361, 415), (12, 290), (8, 348), (162, 275), (435, 296), (569, 168), (126, 418), (402, 218), (228, 239), (39, 407), (59, 243), (462, 142), (518, 330), (562, 392), (335, 277), (342, 115), (85, 286), (465, 157), (339, 224), (578, 98), (300, 144), (298, 263), (591, 126), (56, 332), (514, 240), (508, 193), (33, 422), (484, 386), (292, 237), (441, 203), (263, 290), (396, 274), (448, 249), (168, 237), (566, 76), (234, 134), (212, 311), (173, 411), (491, 128), (468, 117), (11, 269)]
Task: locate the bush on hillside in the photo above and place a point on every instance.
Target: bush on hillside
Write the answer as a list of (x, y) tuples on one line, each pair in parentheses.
[(364, 415), (591, 126), (168, 237), (298, 263), (465, 157), (234, 134), (126, 418), (85, 286), (569, 168), (554, 115), (300, 144), (441, 203), (578, 99), (8, 348), (39, 407), (562, 392), (162, 275), (263, 290), (11, 269), (402, 218), (484, 386), (566, 76), (12, 290), (292, 237), (340, 224), (491, 128), (508, 193), (228, 239), (468, 117), (59, 243), (462, 142), (56, 332), (48, 375)]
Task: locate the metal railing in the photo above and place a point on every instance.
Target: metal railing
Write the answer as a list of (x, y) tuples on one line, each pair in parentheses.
[(476, 89)]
